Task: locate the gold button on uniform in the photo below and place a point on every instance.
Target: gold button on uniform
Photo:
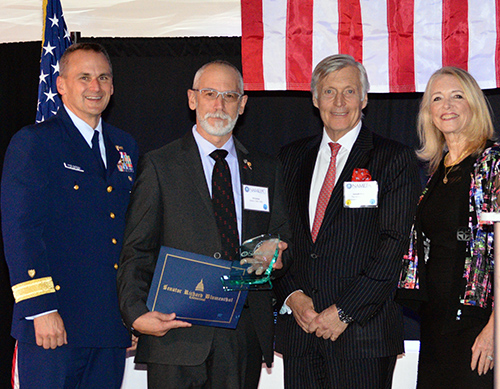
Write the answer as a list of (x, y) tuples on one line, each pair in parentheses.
[(109, 189), (76, 187), (57, 287), (116, 266), (114, 241), (112, 215)]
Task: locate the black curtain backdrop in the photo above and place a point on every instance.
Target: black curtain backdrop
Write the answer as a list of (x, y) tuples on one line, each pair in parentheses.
[(151, 77)]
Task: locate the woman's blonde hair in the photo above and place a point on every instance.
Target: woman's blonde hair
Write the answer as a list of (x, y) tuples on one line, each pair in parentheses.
[(480, 128)]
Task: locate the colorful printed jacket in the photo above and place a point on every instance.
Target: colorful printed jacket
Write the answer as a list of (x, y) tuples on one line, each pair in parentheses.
[(479, 261)]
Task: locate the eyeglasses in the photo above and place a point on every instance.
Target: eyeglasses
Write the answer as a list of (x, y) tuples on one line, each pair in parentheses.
[(212, 94)]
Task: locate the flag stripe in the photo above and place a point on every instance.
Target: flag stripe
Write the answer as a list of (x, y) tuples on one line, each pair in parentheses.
[(274, 14), (401, 55), (455, 33), (482, 42), (401, 43), (298, 43), (427, 36), (252, 28), (350, 29), (326, 24), (14, 380), (375, 43)]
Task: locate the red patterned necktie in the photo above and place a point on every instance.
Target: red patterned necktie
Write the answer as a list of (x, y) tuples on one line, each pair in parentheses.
[(326, 191), (223, 203)]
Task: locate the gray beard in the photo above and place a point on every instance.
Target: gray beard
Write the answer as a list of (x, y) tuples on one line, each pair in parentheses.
[(219, 129)]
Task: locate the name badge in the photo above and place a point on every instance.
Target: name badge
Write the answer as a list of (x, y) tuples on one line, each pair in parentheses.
[(255, 198), (73, 167), (361, 194)]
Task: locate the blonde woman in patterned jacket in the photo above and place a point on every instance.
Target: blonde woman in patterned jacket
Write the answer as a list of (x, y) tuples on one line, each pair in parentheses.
[(449, 267)]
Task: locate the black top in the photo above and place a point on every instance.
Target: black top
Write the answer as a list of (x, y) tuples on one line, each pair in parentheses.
[(440, 216)]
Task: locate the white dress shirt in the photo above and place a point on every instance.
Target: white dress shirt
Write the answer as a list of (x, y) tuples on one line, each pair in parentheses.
[(323, 161)]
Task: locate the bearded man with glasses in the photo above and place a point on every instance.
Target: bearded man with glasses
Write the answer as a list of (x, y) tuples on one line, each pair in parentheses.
[(173, 205)]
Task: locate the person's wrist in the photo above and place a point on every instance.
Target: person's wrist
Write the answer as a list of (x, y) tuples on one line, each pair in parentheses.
[(344, 317), (293, 298)]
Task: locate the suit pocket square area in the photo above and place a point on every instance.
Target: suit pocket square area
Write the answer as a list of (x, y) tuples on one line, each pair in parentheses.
[(361, 175)]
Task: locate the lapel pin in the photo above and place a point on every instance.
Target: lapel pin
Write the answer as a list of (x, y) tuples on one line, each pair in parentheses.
[(248, 163)]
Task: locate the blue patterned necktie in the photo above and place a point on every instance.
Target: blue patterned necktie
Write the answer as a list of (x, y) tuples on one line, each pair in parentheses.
[(97, 152)]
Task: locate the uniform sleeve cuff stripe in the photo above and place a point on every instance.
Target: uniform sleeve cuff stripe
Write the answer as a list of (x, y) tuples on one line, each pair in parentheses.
[(33, 288)]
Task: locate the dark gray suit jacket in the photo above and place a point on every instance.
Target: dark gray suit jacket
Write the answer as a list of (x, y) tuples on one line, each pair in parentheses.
[(356, 259), (171, 206)]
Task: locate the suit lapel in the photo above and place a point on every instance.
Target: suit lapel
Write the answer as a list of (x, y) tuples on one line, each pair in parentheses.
[(246, 177), (190, 161), (358, 158), (304, 178)]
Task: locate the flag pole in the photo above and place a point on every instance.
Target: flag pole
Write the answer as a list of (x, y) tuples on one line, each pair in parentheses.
[(497, 311), (495, 218)]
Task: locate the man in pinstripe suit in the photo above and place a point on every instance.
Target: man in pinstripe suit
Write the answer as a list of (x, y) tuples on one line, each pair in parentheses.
[(344, 329)]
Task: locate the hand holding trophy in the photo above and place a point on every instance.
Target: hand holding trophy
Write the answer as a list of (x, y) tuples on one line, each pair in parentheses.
[(252, 270)]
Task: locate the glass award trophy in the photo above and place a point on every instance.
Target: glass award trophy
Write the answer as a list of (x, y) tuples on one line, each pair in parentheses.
[(252, 270)]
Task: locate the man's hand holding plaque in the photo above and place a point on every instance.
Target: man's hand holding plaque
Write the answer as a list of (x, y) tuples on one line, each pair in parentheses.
[(252, 270)]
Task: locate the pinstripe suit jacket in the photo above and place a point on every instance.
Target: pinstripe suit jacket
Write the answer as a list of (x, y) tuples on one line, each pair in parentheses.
[(355, 261)]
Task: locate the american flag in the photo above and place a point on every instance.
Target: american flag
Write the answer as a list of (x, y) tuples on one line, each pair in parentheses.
[(400, 42), (56, 40)]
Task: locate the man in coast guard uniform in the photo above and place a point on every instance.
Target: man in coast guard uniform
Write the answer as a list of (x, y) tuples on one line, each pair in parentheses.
[(65, 191), (174, 204)]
